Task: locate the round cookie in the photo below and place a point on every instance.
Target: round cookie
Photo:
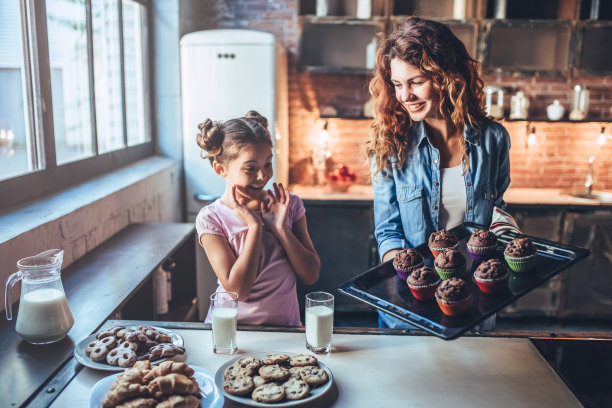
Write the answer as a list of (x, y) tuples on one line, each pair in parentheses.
[(257, 380), (112, 332), (250, 361), (274, 373), (239, 385), (314, 375), (302, 360), (275, 359), (127, 345), (90, 347), (121, 357), (296, 389), (236, 370), (294, 372), (99, 352), (268, 393)]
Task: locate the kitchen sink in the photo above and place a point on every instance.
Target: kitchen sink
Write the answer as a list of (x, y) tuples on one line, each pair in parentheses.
[(596, 196)]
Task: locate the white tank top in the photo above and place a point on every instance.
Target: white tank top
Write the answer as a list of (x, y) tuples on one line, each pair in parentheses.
[(452, 197)]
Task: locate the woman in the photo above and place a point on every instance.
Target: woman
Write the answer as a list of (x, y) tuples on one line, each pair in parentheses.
[(436, 159)]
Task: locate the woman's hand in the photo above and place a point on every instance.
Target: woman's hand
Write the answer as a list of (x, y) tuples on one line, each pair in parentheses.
[(275, 211), (250, 217)]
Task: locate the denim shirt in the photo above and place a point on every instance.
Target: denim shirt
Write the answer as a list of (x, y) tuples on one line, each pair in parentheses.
[(407, 198)]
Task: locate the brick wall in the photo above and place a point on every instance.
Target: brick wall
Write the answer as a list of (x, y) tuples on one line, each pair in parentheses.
[(558, 160)]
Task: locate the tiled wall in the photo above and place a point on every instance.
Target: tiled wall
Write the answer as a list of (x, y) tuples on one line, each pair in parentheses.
[(558, 160)]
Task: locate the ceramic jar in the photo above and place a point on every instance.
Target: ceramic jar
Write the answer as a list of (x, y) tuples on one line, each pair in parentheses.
[(555, 110)]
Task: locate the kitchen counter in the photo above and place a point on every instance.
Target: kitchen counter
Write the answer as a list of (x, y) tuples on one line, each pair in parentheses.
[(513, 196), (387, 370)]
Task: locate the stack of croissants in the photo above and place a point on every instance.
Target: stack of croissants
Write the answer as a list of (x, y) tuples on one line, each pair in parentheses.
[(168, 385)]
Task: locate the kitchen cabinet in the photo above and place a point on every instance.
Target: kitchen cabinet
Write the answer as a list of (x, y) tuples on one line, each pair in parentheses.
[(518, 37), (343, 235)]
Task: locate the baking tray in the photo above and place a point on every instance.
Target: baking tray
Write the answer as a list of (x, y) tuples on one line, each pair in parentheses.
[(381, 288)]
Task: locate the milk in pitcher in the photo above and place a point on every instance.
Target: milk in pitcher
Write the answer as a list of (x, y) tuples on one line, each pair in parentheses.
[(44, 316)]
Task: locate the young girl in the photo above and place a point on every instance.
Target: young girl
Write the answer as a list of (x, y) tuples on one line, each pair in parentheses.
[(256, 240)]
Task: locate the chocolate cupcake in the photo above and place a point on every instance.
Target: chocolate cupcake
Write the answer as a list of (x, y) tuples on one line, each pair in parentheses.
[(450, 263), (453, 296), (407, 260), (520, 253), (423, 283), (441, 240), (492, 276), (481, 245)]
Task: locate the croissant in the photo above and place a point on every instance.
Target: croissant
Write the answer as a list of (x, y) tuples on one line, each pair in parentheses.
[(139, 403), (181, 401), (173, 384), (124, 391), (168, 367)]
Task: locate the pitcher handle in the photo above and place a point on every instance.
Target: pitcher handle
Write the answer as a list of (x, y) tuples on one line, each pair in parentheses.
[(8, 293)]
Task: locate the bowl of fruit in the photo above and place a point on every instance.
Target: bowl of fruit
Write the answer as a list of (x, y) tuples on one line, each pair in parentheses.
[(341, 178)]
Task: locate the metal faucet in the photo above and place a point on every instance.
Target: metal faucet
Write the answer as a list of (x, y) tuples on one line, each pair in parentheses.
[(589, 181)]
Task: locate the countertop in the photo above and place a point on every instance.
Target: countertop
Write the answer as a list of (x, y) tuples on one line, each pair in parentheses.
[(513, 196), (386, 370)]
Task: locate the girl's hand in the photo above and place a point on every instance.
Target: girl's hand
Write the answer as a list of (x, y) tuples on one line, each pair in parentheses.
[(275, 211), (246, 214)]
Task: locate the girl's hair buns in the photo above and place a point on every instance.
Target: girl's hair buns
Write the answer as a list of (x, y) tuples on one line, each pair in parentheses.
[(223, 141)]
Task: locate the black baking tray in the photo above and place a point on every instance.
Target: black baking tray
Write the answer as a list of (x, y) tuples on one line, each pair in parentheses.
[(382, 288)]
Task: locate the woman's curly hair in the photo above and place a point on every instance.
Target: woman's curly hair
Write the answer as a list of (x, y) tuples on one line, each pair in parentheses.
[(443, 58)]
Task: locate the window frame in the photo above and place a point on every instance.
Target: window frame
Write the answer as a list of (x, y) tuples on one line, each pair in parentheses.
[(48, 177)]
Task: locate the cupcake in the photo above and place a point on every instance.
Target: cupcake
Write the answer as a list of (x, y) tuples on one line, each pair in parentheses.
[(520, 253), (440, 240), (450, 263), (407, 260), (453, 296), (482, 245), (423, 283), (492, 276)]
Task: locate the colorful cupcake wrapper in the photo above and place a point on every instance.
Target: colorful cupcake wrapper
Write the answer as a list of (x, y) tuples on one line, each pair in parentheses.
[(447, 273), (480, 254), (436, 251), (403, 273), (424, 292), (492, 285), (454, 308), (522, 264)]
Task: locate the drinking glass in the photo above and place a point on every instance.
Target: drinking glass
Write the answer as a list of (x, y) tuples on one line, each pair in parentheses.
[(319, 321), (224, 310)]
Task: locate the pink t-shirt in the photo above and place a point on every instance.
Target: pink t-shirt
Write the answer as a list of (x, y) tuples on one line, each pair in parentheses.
[(273, 298)]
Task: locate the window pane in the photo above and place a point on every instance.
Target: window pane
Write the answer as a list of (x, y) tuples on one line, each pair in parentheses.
[(133, 51), (107, 73), (66, 24), (14, 131)]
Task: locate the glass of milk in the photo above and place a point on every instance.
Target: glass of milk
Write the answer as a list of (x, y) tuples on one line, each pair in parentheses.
[(319, 321), (224, 310)]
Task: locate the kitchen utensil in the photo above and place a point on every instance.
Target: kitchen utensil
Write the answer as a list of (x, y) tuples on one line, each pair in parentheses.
[(519, 106), (580, 103), (44, 316), (555, 110), (494, 108)]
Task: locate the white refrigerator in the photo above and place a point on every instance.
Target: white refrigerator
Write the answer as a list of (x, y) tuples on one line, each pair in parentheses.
[(224, 74)]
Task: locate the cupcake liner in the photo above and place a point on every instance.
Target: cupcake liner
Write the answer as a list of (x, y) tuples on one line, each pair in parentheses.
[(490, 286), (403, 273), (436, 251), (424, 292), (447, 273), (454, 308), (480, 254), (521, 264)]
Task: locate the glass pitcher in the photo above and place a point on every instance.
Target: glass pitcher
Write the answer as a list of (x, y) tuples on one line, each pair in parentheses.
[(44, 316)]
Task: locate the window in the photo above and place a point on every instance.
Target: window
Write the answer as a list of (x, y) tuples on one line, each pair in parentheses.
[(76, 87)]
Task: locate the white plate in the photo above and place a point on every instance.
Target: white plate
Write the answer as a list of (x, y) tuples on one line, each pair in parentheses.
[(79, 350), (315, 392), (211, 395)]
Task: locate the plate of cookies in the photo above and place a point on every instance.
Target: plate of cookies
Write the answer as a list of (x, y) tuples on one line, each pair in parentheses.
[(273, 378), (120, 347), (169, 384)]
